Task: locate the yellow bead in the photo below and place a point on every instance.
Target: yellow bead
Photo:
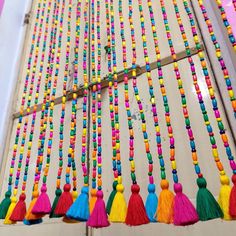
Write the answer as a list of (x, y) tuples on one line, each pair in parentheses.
[(173, 165)]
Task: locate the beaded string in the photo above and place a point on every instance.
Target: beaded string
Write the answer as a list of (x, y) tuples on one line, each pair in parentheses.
[(40, 10), (71, 150), (217, 50), (116, 100), (94, 88), (46, 99), (182, 93), (212, 96), (27, 162), (85, 97), (163, 92), (110, 92), (52, 99), (153, 102), (226, 24), (63, 106), (198, 91)]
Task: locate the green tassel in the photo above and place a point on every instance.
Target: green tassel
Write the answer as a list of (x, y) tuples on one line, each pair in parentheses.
[(207, 207), (58, 193), (111, 197), (5, 205)]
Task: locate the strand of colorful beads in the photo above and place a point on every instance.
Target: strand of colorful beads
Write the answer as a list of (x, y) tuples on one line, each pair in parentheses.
[(118, 176), (211, 91), (163, 92), (17, 217), (110, 92), (94, 92), (226, 23), (85, 98), (44, 208), (66, 199), (40, 10), (198, 91), (164, 183), (64, 98), (217, 49), (224, 178), (44, 112), (182, 93), (152, 99)]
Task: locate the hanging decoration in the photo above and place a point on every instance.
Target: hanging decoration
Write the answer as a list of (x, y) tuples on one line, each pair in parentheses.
[(224, 196), (217, 50), (226, 23), (89, 206)]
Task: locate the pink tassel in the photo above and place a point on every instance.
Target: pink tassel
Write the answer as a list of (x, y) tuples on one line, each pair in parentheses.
[(42, 205), (98, 218), (184, 211)]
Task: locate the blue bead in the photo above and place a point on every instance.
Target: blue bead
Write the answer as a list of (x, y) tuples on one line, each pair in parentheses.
[(197, 169), (175, 178)]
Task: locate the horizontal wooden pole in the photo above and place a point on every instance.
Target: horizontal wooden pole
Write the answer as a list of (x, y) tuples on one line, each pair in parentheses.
[(104, 83)]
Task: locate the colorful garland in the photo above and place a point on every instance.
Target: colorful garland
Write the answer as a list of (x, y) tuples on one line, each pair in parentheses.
[(58, 191), (224, 197), (217, 50), (226, 23), (66, 199)]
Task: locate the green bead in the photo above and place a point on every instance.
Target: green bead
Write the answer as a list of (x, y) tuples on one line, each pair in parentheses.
[(213, 141), (163, 175), (133, 177), (86, 179), (221, 126), (187, 122)]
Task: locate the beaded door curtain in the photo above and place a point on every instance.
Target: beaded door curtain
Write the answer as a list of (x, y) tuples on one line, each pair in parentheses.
[(118, 118)]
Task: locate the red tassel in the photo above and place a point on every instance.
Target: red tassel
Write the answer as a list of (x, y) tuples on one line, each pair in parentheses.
[(42, 205), (64, 202), (98, 218), (19, 211), (184, 211), (136, 213), (232, 200)]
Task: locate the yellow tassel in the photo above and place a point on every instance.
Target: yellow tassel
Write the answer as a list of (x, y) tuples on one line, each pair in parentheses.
[(7, 220), (165, 210), (224, 196), (29, 215), (119, 206), (93, 199)]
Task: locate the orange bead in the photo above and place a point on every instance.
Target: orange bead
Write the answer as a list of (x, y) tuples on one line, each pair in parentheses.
[(219, 166)]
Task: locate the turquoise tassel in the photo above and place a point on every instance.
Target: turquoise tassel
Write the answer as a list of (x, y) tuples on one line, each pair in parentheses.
[(151, 203), (79, 210)]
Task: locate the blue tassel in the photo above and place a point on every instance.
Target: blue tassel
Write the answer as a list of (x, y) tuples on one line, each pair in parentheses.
[(151, 203), (32, 222), (79, 210)]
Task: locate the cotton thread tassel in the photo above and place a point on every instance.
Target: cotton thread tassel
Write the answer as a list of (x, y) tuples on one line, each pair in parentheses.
[(184, 211), (165, 209), (111, 197), (98, 217), (136, 214), (29, 215), (5, 205), (151, 203), (19, 211), (58, 193), (119, 207), (64, 202), (93, 199), (7, 220), (42, 205), (79, 210), (224, 196), (232, 200), (207, 206)]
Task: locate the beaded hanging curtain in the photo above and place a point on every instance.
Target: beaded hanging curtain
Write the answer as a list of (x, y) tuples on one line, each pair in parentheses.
[(114, 95)]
